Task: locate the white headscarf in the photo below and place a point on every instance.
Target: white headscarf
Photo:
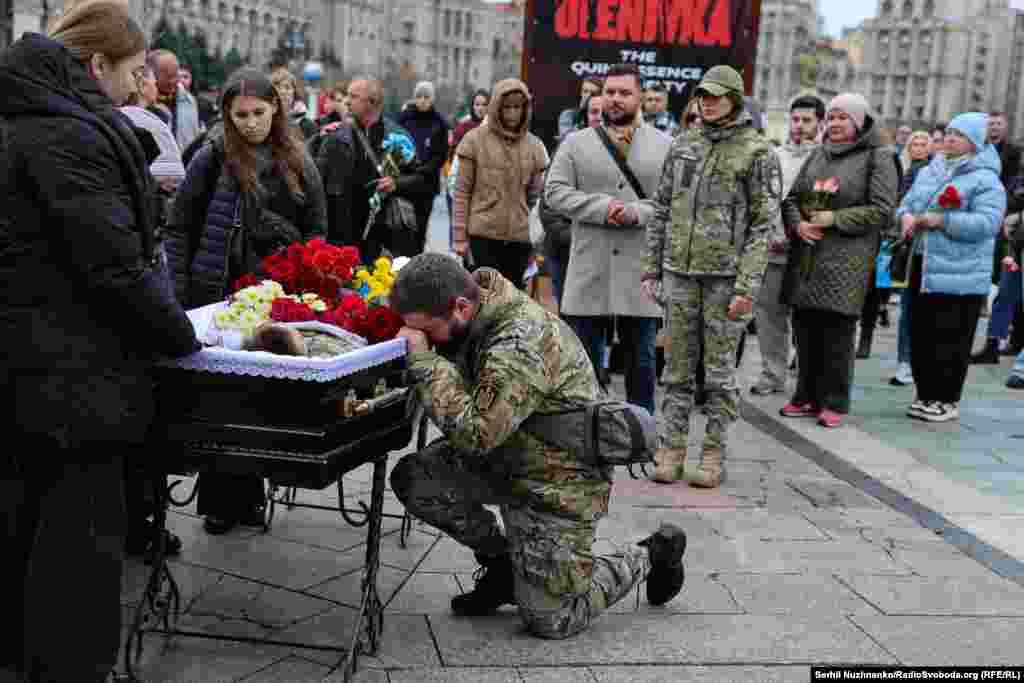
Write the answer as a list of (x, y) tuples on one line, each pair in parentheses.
[(168, 164)]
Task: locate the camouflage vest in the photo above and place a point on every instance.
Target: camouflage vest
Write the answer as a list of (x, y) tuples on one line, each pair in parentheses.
[(712, 198)]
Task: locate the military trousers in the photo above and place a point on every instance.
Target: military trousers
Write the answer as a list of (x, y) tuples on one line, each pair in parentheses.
[(560, 586), (696, 317)]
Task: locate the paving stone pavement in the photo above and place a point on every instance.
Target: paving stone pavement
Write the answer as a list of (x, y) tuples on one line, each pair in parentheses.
[(788, 565)]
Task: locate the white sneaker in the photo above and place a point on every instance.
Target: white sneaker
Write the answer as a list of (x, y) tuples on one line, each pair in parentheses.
[(918, 407), (939, 412)]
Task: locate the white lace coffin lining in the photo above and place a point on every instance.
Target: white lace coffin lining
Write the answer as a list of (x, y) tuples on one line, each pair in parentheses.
[(263, 364)]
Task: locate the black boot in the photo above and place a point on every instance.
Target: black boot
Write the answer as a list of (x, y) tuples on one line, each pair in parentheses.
[(867, 334), (665, 548), (495, 586), (988, 355)]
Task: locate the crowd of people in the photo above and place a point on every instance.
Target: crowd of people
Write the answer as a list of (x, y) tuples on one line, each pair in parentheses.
[(128, 199)]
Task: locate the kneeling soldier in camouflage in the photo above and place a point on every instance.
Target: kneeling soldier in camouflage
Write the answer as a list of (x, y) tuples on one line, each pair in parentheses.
[(498, 359), (707, 247)]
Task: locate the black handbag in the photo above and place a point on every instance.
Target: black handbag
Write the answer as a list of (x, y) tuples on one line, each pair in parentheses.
[(899, 262), (395, 213)]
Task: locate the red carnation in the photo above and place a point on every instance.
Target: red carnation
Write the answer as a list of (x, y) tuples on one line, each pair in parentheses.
[(324, 261), (248, 280), (290, 311), (352, 302), (284, 272), (295, 252), (273, 261), (334, 317), (950, 198), (382, 324), (350, 257)]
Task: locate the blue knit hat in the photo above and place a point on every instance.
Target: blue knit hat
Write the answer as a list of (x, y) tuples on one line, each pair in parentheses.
[(973, 125)]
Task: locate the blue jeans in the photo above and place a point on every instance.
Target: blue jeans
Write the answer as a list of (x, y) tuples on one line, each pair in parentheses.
[(638, 339), (1005, 305), (1018, 366), (903, 343)]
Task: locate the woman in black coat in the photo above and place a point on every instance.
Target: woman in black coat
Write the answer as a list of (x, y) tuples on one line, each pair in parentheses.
[(85, 307), (246, 194), (429, 130)]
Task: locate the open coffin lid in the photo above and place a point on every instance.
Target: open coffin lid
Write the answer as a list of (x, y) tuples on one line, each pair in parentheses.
[(223, 360)]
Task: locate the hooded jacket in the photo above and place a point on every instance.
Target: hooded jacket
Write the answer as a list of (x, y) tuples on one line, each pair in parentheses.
[(844, 258), (958, 257), (501, 166), (86, 302)]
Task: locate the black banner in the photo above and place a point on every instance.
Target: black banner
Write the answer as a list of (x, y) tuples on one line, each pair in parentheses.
[(672, 41)]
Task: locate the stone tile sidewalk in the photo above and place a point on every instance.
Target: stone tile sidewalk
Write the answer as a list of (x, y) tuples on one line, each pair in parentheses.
[(964, 479), (787, 566)]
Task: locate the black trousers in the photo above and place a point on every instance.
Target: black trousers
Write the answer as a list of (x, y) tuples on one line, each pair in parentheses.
[(941, 333), (873, 302), (508, 258), (824, 347), (62, 525)]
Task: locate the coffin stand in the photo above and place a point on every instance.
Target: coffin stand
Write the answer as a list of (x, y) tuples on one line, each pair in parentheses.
[(296, 432)]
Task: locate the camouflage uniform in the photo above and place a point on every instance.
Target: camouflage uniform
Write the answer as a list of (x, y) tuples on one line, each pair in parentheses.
[(517, 359), (718, 199)]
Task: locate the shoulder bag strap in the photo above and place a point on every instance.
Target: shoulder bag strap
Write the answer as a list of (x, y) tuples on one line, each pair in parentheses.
[(367, 147), (621, 163)]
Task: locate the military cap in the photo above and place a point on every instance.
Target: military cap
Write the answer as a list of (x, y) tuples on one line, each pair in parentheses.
[(721, 80)]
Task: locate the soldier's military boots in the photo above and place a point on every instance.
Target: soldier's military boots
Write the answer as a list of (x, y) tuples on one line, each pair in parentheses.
[(665, 549), (710, 473), (668, 465), (495, 586)]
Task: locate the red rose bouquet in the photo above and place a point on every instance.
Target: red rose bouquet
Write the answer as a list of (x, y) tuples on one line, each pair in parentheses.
[(328, 284)]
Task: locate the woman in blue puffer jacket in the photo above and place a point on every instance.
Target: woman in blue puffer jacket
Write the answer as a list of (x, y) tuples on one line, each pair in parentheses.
[(952, 213)]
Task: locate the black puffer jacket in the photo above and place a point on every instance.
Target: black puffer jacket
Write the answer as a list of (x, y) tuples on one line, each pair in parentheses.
[(85, 303)]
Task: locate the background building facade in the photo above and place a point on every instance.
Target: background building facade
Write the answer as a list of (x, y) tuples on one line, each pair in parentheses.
[(461, 45), (928, 60)]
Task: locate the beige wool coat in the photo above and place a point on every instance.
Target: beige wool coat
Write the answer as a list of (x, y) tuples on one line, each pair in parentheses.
[(605, 264)]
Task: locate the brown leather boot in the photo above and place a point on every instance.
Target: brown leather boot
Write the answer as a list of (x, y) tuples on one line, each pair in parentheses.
[(710, 472), (669, 465)]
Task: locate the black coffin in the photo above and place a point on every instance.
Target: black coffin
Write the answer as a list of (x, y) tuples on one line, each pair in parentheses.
[(292, 431)]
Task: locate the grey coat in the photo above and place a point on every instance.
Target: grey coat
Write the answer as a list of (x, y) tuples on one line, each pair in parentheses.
[(606, 261)]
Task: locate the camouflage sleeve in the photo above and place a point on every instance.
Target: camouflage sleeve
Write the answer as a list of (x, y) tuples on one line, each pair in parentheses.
[(881, 201), (764, 194), (662, 213), (512, 383)]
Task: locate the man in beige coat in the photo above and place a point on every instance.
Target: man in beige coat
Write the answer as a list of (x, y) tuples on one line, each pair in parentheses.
[(608, 240)]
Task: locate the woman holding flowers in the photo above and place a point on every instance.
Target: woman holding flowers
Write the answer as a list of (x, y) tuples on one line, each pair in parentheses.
[(952, 214), (834, 212), (245, 196)]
